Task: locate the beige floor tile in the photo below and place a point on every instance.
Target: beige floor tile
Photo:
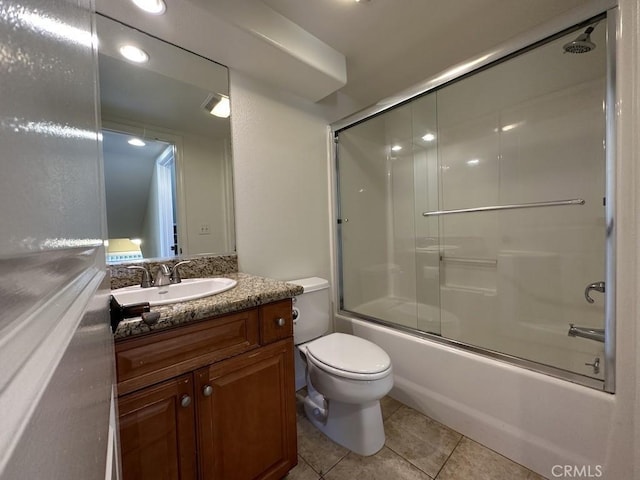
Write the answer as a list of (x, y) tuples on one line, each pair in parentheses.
[(472, 461), (302, 471), (384, 465), (422, 441), (315, 447), (389, 406)]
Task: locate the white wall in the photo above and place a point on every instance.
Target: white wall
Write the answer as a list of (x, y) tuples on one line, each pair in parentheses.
[(151, 233), (205, 170), (281, 182)]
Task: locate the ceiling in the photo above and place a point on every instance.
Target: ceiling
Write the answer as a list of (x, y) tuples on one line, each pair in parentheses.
[(391, 45), (343, 53)]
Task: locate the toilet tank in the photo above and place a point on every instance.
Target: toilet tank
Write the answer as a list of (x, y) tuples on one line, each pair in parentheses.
[(311, 309)]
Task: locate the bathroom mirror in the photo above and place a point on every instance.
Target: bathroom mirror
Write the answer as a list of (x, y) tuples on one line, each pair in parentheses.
[(167, 158)]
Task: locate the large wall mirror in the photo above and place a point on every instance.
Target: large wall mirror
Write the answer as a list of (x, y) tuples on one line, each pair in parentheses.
[(166, 147)]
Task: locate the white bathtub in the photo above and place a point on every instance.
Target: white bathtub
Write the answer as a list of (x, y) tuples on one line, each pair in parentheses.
[(536, 420)]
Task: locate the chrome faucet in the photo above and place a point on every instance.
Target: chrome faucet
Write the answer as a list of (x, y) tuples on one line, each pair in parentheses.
[(596, 334), (163, 276)]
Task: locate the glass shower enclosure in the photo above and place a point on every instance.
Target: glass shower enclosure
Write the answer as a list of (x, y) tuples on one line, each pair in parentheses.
[(476, 212)]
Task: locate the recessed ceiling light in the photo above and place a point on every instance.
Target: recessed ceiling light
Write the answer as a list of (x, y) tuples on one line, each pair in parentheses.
[(154, 7), (133, 53), (136, 142), (473, 161), (429, 137), (396, 148)]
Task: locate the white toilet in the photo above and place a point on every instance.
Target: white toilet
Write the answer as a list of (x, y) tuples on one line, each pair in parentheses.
[(346, 376)]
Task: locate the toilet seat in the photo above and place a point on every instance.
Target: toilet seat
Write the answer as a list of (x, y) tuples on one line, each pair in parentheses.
[(348, 356)]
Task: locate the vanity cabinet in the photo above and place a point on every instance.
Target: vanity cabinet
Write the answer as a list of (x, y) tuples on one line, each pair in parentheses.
[(157, 437), (210, 400)]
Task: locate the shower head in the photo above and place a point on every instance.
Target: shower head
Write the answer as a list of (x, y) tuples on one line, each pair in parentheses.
[(582, 44)]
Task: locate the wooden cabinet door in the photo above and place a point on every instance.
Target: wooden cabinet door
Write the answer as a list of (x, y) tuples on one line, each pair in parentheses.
[(157, 432), (247, 418)]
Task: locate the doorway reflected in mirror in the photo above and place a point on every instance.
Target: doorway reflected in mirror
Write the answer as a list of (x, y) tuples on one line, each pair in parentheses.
[(140, 195)]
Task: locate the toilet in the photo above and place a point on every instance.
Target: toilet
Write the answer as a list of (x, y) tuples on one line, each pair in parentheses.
[(346, 376)]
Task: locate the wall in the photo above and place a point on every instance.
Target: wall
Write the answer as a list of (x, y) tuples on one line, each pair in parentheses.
[(205, 180), (150, 226), (281, 182), (625, 444)]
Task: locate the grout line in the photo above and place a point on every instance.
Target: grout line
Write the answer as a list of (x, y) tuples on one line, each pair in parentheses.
[(334, 465), (410, 462), (445, 462)]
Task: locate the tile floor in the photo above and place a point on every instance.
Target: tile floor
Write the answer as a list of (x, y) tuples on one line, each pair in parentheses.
[(416, 448)]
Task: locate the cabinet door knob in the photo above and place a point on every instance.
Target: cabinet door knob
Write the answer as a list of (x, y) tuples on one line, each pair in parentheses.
[(185, 401), (207, 390), (280, 322)]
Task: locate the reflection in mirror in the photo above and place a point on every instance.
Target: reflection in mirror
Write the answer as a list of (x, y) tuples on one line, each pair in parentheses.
[(140, 196), (174, 194)]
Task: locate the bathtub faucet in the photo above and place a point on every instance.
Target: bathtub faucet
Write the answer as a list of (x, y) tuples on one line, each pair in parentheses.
[(596, 334)]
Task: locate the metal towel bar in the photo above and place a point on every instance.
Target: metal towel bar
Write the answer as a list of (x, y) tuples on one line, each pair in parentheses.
[(556, 203)]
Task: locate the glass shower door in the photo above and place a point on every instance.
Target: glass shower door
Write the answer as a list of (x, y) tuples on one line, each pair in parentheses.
[(377, 224), (516, 277), (477, 212)]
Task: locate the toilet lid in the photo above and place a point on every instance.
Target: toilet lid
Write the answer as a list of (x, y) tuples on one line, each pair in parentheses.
[(349, 353)]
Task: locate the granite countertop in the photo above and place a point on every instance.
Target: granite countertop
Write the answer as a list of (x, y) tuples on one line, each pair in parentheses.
[(251, 291)]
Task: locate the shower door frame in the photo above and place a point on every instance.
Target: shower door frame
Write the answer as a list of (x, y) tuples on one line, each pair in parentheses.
[(556, 28)]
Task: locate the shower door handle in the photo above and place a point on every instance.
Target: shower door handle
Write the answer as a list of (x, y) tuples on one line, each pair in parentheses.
[(597, 286)]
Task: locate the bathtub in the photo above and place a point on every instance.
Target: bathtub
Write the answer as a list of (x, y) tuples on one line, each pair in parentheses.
[(534, 419)]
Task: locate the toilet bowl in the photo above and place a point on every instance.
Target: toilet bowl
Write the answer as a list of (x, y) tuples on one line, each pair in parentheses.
[(346, 376)]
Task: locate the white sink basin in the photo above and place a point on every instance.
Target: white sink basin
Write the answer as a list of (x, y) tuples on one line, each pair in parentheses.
[(188, 289)]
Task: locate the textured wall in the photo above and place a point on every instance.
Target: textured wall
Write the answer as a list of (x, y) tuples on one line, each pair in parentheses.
[(281, 182)]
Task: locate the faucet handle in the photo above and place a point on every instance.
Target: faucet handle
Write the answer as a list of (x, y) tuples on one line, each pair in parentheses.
[(146, 276), (597, 286), (175, 273)]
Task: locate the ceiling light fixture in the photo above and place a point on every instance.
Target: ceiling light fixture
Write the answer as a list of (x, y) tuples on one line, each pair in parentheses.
[(218, 105), (136, 142), (474, 161), (154, 7), (396, 148), (134, 54)]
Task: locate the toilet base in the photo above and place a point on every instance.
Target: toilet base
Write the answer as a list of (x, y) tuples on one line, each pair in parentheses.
[(357, 427)]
